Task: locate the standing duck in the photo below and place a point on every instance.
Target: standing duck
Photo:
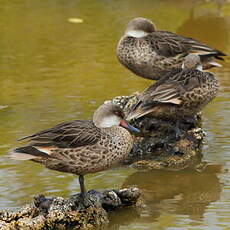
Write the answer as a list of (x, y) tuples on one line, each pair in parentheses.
[(179, 95), (81, 146), (150, 53)]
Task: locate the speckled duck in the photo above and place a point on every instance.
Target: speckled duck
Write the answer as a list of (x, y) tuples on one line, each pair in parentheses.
[(150, 53), (178, 95), (81, 146)]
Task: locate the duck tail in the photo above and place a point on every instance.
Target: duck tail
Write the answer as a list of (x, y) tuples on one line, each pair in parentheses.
[(212, 54), (206, 52), (138, 111), (27, 153), (219, 55), (208, 61)]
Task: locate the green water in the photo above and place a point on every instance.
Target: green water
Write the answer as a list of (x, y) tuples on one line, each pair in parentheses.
[(52, 70)]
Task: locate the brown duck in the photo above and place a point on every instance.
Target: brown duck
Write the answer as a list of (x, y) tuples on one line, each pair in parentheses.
[(150, 53), (81, 146), (178, 95)]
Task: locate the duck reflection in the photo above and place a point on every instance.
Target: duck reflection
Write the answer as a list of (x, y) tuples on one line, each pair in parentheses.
[(186, 192)]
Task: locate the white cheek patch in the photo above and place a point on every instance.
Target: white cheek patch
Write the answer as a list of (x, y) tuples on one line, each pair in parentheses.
[(110, 121), (137, 33)]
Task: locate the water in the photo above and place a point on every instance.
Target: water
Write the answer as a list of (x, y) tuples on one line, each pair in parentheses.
[(53, 71)]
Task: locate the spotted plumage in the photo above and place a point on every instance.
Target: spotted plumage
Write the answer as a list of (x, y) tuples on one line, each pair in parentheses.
[(178, 95), (81, 146), (151, 53)]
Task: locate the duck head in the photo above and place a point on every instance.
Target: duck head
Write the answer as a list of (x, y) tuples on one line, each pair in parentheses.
[(192, 61), (139, 27), (108, 115)]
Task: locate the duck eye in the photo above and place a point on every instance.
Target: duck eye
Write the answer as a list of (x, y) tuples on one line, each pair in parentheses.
[(117, 113), (120, 114)]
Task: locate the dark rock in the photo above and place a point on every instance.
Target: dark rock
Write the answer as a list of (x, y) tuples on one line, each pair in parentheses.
[(70, 213), (161, 144)]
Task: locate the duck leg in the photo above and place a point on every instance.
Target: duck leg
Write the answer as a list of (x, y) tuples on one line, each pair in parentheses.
[(177, 130), (83, 200), (82, 186)]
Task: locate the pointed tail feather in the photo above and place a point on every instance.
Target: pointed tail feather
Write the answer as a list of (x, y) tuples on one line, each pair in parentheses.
[(138, 111), (27, 153), (132, 112), (214, 64), (137, 114), (20, 156), (220, 53), (213, 54)]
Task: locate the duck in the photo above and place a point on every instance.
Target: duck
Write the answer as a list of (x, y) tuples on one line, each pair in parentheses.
[(81, 146), (179, 95), (151, 53)]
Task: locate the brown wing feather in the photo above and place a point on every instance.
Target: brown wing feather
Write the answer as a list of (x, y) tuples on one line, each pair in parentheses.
[(170, 44), (169, 89), (165, 90), (173, 86), (67, 135)]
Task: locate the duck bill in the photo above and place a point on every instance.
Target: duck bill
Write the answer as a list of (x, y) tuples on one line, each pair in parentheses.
[(126, 125)]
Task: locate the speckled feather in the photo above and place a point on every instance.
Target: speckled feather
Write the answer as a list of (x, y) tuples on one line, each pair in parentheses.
[(67, 135), (177, 95), (78, 146), (158, 52), (169, 44)]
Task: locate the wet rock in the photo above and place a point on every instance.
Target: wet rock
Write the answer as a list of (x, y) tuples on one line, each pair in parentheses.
[(159, 146), (68, 213)]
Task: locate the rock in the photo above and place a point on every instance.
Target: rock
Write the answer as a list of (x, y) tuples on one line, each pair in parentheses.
[(73, 212), (158, 147)]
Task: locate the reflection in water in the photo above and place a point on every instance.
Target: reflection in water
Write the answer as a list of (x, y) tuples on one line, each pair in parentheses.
[(124, 217), (185, 193), (21, 181), (62, 71), (207, 26)]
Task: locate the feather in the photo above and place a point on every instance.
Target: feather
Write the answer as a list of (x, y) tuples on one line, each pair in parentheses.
[(173, 89), (170, 44), (67, 135), (20, 156)]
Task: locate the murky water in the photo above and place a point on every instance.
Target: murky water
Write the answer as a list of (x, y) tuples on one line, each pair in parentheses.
[(52, 70)]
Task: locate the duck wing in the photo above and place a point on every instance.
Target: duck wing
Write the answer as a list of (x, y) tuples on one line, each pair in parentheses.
[(170, 89), (164, 89), (167, 93), (169, 44), (51, 143), (173, 86), (67, 135)]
